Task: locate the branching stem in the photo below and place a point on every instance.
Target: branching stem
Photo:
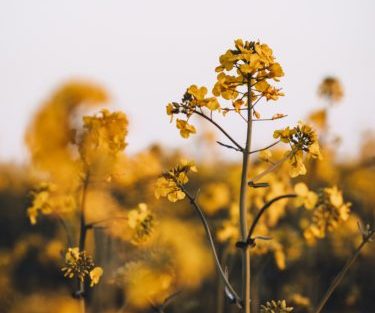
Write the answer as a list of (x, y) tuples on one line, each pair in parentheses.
[(342, 273), (243, 203), (211, 241), (269, 169), (220, 128), (265, 148), (263, 210), (82, 241)]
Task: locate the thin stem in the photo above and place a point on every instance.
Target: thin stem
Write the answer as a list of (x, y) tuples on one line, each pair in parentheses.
[(269, 119), (263, 210), (211, 241), (342, 273), (269, 169), (265, 148), (105, 220), (243, 204), (228, 146), (220, 128), (220, 304), (243, 118), (69, 239), (82, 239), (256, 102)]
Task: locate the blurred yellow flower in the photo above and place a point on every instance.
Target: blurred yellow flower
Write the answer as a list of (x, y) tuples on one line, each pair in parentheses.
[(104, 135), (185, 128), (141, 221), (301, 138), (306, 197), (275, 307), (77, 264), (213, 197), (169, 185), (95, 275), (46, 200), (331, 89), (330, 210)]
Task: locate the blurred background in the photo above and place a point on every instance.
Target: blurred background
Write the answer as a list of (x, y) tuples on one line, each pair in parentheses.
[(60, 60), (147, 53)]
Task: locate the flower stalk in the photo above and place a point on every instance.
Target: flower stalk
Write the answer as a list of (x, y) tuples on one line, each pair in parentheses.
[(340, 276), (243, 205), (82, 241)]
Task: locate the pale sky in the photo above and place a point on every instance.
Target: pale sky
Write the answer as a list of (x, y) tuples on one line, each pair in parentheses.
[(146, 53)]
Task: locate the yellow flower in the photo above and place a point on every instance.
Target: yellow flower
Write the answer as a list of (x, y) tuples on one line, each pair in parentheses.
[(212, 104), (213, 197), (169, 184), (275, 307), (95, 275), (302, 139), (306, 197), (226, 86), (46, 200), (72, 255), (330, 210), (284, 134), (185, 128), (104, 134), (276, 71), (319, 118), (168, 188), (77, 264), (331, 89), (141, 221), (296, 164), (198, 93)]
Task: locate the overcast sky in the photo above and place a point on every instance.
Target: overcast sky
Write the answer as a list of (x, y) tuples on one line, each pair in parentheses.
[(147, 52)]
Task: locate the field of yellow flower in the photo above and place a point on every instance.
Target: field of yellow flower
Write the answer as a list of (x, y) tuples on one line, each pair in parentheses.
[(87, 227)]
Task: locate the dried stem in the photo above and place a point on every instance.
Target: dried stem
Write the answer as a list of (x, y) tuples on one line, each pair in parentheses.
[(342, 273), (212, 244)]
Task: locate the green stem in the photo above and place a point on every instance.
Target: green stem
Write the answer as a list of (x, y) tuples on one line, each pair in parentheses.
[(270, 169), (212, 244), (243, 205), (342, 273), (263, 210), (219, 128), (82, 240)]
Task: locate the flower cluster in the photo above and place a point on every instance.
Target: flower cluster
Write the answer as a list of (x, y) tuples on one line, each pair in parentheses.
[(275, 307), (141, 221), (301, 138), (329, 211), (169, 184), (79, 264), (194, 99), (254, 65), (244, 72), (331, 89), (46, 200), (305, 197), (104, 134)]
